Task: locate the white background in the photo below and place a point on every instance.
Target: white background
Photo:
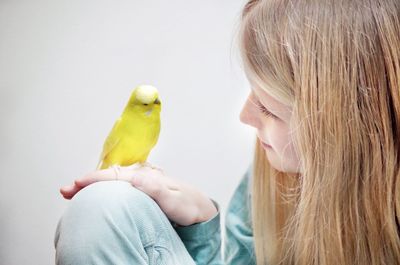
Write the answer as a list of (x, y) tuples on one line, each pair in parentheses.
[(67, 69)]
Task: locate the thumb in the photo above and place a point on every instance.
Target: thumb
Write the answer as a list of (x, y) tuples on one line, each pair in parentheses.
[(137, 180)]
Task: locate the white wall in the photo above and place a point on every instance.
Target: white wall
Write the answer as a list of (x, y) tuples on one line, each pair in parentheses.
[(66, 71)]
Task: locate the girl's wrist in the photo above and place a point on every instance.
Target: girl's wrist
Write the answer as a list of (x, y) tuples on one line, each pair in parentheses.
[(206, 211)]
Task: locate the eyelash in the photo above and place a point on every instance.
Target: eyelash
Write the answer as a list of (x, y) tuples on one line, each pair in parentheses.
[(264, 110)]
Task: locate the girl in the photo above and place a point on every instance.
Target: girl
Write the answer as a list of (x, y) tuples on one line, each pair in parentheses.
[(324, 186)]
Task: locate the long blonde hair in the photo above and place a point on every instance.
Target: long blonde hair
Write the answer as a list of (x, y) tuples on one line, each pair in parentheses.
[(337, 64)]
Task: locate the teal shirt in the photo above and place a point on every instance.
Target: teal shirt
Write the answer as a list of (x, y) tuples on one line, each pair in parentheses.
[(203, 240)]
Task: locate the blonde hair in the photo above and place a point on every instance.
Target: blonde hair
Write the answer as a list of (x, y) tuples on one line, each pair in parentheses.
[(336, 63)]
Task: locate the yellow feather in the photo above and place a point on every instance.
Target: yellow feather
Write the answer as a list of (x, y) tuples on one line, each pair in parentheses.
[(136, 132)]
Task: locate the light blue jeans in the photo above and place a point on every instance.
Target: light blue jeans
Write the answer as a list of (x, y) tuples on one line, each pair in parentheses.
[(112, 222)]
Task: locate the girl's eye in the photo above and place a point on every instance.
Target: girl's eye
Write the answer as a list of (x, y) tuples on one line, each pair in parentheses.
[(264, 110)]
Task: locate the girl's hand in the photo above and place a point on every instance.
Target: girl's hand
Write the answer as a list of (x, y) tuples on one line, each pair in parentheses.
[(181, 203)]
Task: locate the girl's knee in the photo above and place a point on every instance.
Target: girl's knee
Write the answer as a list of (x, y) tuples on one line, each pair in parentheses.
[(107, 212), (110, 194), (109, 202), (111, 199)]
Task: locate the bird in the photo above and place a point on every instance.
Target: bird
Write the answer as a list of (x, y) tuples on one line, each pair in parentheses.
[(135, 132)]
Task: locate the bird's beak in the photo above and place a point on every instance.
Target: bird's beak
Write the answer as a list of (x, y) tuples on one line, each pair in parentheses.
[(157, 101)]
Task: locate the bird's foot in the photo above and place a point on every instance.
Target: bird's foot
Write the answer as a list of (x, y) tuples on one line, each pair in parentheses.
[(147, 164)]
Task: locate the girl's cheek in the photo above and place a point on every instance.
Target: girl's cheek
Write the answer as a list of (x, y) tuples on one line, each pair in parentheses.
[(279, 139)]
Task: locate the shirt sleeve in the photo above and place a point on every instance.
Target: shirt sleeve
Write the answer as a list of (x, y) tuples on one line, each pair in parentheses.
[(203, 240), (238, 243)]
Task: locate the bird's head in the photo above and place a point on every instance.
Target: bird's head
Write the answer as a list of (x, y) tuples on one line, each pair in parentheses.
[(145, 97)]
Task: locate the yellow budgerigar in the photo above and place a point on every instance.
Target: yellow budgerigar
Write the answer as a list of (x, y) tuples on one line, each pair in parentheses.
[(135, 132)]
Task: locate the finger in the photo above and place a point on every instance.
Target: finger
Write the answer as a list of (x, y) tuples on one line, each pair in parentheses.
[(137, 179), (69, 191), (171, 183), (150, 185), (98, 175), (134, 166)]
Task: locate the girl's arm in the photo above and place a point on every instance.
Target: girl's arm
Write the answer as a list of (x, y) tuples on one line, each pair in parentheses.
[(238, 244), (203, 240)]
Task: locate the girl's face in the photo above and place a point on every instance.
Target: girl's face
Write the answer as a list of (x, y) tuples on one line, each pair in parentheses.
[(271, 119)]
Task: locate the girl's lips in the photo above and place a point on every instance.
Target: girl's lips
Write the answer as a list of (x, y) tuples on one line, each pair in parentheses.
[(266, 145)]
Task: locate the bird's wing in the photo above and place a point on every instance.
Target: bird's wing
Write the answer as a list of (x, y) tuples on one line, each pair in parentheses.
[(111, 142)]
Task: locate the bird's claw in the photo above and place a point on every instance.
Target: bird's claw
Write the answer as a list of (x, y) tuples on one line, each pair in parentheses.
[(147, 164), (144, 164)]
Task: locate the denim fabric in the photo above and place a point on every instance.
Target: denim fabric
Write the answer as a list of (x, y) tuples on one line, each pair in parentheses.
[(238, 243), (111, 222)]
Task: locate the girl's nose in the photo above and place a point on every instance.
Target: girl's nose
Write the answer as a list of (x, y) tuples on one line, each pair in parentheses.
[(248, 115)]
